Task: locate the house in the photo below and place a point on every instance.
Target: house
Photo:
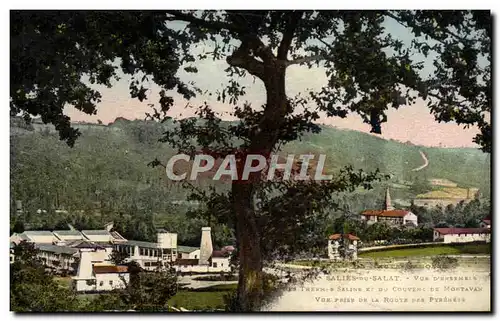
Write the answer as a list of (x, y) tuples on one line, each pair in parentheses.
[(98, 275), (350, 244), (462, 235), (390, 215)]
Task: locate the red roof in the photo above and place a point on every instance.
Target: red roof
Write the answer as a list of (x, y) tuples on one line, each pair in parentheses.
[(391, 213), (487, 221), (104, 269), (346, 236), (220, 254), (186, 262), (462, 230)]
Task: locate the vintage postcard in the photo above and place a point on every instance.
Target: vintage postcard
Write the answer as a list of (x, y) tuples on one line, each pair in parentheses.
[(250, 160)]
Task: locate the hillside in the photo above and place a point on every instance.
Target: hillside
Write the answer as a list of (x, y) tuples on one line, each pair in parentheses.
[(110, 162)]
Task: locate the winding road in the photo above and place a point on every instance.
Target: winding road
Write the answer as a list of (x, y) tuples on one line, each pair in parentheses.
[(426, 163)]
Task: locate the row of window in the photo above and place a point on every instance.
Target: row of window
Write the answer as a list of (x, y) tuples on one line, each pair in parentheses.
[(145, 251)]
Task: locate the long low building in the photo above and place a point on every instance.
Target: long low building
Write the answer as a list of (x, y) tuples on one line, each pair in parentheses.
[(462, 235), (61, 251)]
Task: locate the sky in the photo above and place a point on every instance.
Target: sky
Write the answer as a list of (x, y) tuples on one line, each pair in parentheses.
[(409, 123)]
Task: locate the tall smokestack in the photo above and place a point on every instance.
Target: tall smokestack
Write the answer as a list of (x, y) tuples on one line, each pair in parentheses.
[(206, 247), (388, 203)]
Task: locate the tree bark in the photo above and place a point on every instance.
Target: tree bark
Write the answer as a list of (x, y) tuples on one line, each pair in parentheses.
[(248, 232)]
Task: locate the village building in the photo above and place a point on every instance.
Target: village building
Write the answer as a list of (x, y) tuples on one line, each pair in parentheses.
[(342, 242), (462, 235), (78, 252), (390, 215), (205, 259), (96, 273)]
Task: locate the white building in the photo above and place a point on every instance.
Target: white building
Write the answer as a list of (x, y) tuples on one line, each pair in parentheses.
[(148, 254), (96, 274), (390, 215), (62, 250), (350, 242), (204, 260), (462, 235)]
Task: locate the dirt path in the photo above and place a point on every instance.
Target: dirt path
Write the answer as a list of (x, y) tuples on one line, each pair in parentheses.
[(426, 163)]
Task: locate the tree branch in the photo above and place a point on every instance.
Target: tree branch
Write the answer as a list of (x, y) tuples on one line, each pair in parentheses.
[(291, 26), (304, 60), (214, 25), (243, 58)]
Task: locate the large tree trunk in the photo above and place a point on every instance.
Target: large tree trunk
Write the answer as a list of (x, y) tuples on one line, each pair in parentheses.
[(250, 289), (248, 232)]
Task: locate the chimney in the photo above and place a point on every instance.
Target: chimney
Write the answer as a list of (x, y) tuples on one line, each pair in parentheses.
[(388, 203), (206, 247)]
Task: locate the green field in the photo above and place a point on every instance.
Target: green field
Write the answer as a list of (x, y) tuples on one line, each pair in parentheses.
[(211, 298), (430, 251)]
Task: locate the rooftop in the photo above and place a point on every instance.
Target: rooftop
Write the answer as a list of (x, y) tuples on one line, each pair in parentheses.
[(186, 262), (346, 236), (141, 244), (106, 269), (40, 233), (68, 233), (84, 244), (391, 213), (96, 232), (56, 249), (186, 249), (462, 230), (220, 254)]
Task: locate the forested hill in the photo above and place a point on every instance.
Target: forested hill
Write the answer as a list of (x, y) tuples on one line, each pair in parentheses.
[(108, 165)]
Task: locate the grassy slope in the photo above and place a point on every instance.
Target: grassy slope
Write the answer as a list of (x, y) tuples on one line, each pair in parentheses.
[(203, 299), (466, 166), (432, 250)]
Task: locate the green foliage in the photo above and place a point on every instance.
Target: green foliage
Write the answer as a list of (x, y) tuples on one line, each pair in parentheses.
[(118, 258), (32, 289), (429, 250)]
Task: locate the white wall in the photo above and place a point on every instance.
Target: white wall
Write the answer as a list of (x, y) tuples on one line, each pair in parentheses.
[(410, 217), (82, 285), (193, 255), (222, 266), (104, 280), (462, 238)]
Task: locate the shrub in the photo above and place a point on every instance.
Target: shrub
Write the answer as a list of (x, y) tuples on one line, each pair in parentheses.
[(444, 262)]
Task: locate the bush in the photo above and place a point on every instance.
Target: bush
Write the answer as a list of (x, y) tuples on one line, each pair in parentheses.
[(444, 262)]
